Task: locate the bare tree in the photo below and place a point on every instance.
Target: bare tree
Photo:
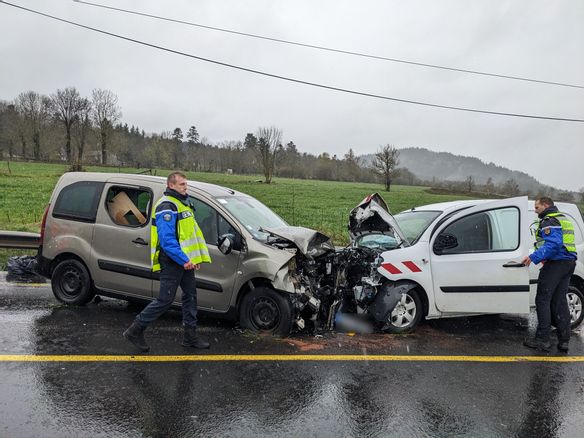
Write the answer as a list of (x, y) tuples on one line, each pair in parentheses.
[(510, 187), (385, 164), (10, 121), (470, 183), (105, 113), (82, 130), (267, 148), (67, 108), (489, 186), (35, 111)]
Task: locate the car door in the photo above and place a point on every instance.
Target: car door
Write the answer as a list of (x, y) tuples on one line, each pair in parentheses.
[(121, 240), (214, 280), (474, 259)]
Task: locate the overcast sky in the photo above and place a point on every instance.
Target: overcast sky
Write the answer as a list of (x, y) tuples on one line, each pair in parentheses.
[(159, 91)]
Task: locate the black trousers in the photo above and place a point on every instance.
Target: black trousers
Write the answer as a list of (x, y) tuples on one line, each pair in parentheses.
[(172, 275), (551, 302)]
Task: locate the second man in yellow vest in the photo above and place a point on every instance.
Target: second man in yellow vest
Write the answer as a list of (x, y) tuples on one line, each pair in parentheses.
[(556, 250), (178, 249)]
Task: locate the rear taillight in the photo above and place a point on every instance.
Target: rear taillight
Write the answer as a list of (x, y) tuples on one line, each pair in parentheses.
[(43, 223)]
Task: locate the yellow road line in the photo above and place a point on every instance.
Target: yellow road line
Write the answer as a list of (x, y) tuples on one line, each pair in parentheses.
[(6, 283), (282, 357)]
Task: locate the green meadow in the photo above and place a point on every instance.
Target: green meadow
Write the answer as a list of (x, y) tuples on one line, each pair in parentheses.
[(25, 189)]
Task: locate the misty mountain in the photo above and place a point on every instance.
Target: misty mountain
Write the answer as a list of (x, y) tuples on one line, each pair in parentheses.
[(444, 166)]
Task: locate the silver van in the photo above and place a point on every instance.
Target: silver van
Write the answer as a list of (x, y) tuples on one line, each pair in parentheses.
[(95, 239)]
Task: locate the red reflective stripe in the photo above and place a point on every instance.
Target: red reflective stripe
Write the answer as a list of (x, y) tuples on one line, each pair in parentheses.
[(411, 266), (390, 268)]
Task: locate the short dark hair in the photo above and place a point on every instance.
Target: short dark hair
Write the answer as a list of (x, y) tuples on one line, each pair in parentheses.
[(172, 177), (545, 200)]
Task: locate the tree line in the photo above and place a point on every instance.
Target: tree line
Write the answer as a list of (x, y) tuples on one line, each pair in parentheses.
[(58, 126), (68, 127), (80, 130)]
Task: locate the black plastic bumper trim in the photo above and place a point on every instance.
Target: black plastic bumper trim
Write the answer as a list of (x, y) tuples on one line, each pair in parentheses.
[(137, 271), (483, 289)]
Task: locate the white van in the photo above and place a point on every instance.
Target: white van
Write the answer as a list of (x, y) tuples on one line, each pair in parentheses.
[(464, 258)]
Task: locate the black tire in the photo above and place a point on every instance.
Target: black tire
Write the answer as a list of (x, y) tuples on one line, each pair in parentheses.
[(71, 283), (575, 304), (264, 310), (398, 321)]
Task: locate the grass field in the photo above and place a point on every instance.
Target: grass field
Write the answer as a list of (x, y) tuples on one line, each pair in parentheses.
[(25, 190)]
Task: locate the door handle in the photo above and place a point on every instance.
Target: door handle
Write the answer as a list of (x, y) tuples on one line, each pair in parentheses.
[(513, 265), (140, 241)]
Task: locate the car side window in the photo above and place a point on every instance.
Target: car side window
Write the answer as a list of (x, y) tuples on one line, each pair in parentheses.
[(486, 231), (224, 227), (128, 206), (211, 222), (78, 201)]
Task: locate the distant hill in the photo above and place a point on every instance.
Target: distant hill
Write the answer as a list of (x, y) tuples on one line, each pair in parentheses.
[(444, 166)]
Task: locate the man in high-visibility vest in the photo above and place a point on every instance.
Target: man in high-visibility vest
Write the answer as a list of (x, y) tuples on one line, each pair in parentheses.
[(177, 249), (556, 250)]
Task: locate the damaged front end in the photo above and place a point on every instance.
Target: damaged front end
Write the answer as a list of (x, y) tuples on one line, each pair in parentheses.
[(341, 287), (308, 274)]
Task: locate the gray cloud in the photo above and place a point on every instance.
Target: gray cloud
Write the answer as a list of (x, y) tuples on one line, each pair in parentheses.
[(159, 91)]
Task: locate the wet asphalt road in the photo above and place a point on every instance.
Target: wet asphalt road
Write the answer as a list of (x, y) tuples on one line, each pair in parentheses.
[(275, 398)]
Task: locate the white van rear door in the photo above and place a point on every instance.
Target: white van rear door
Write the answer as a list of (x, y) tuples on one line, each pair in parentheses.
[(478, 270)]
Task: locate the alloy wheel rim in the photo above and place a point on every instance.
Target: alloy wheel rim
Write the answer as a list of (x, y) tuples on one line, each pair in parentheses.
[(575, 306), (404, 312)]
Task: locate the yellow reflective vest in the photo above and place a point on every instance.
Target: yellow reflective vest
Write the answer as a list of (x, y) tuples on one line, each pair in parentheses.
[(189, 235), (567, 232)]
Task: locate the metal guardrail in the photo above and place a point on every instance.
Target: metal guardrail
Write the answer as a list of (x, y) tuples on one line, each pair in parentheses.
[(19, 240)]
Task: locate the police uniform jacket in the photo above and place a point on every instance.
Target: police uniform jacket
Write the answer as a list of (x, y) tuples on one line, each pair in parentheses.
[(553, 248)]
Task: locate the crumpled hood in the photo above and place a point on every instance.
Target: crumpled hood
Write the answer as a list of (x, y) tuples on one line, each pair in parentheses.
[(309, 242), (372, 216)]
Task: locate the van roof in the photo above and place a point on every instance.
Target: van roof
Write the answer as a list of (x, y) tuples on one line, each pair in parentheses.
[(566, 207), (212, 190), (450, 205)]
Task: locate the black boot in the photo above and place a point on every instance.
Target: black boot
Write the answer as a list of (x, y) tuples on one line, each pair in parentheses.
[(190, 339), (135, 334), (538, 344), (563, 346)]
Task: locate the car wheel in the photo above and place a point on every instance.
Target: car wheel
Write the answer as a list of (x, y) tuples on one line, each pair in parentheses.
[(71, 283), (406, 315), (575, 302), (265, 310)]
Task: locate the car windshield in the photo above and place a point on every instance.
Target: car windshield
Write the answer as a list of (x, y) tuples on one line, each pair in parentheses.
[(413, 223), (377, 241), (252, 214)]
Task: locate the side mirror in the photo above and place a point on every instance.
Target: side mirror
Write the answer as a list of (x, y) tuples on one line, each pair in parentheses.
[(225, 243), (445, 241)]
